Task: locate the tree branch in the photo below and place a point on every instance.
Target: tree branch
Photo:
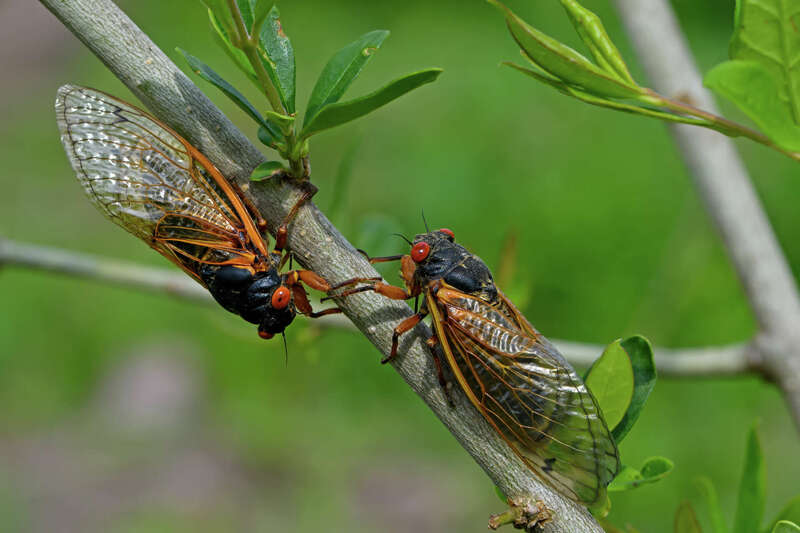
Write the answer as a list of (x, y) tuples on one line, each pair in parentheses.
[(171, 96), (725, 187)]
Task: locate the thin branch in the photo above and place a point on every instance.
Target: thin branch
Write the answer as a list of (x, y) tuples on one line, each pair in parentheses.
[(729, 196), (171, 96), (714, 361)]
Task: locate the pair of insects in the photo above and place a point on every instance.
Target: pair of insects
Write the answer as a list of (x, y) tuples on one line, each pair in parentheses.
[(147, 179)]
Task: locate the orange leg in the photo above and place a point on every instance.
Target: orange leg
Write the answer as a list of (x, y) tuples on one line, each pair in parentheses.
[(384, 289), (282, 232), (403, 327), (248, 203), (433, 344), (304, 306)]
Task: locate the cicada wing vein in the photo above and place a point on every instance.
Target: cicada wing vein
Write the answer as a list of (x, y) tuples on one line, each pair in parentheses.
[(527, 391), (147, 179)]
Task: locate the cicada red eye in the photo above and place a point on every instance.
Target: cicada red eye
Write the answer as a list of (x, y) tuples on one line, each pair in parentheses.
[(280, 298), (449, 233), (265, 335), (420, 251)]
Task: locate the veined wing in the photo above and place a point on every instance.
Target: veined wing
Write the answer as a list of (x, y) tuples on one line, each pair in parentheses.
[(528, 392), (144, 177)]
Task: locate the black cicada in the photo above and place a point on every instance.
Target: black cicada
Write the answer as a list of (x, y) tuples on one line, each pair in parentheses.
[(514, 376), (146, 178)]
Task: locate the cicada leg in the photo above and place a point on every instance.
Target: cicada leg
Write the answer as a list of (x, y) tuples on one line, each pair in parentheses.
[(295, 279), (281, 233), (403, 327)]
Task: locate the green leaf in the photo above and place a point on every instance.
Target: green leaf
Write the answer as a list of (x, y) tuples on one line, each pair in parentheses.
[(611, 381), (592, 32), (750, 507), (564, 62), (283, 122), (222, 38), (341, 70), (335, 114), (785, 526), (766, 32), (653, 470), (644, 379), (686, 519), (219, 10), (275, 48), (266, 170), (790, 512), (712, 503), (246, 9), (205, 72), (753, 89), (261, 9), (269, 135)]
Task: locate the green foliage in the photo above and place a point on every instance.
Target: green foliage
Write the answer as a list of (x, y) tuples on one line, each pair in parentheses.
[(766, 86), (341, 70), (752, 488), (752, 495), (785, 526), (765, 32), (753, 89), (332, 115), (621, 381), (251, 34), (709, 494), (653, 469), (611, 381), (640, 354), (266, 170), (686, 519), (789, 513), (206, 72)]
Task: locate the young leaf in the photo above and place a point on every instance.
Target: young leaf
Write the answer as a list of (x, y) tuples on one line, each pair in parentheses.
[(341, 70), (784, 526), (686, 519), (222, 38), (269, 135), (766, 32), (644, 379), (335, 114), (246, 9), (284, 122), (754, 90), (261, 9), (205, 72), (593, 34), (653, 469), (712, 503), (790, 512), (563, 62), (611, 381), (276, 49), (750, 507), (219, 10), (266, 170)]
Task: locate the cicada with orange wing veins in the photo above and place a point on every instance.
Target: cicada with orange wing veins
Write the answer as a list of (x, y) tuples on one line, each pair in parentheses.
[(146, 178), (514, 376)]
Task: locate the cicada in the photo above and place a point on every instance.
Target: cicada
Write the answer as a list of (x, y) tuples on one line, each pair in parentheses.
[(144, 177), (515, 377)]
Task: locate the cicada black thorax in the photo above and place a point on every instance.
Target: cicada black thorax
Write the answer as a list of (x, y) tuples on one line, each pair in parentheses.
[(250, 295), (456, 266)]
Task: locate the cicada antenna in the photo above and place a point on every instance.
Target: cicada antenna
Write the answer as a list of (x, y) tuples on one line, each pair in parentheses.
[(425, 222)]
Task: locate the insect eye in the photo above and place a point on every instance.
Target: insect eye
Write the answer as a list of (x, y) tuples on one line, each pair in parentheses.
[(265, 335), (449, 233), (280, 298), (420, 251)]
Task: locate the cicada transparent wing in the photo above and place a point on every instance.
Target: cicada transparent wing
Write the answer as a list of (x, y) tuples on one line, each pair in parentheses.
[(144, 177), (527, 391)]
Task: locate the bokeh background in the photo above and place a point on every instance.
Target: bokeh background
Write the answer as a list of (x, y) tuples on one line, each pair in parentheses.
[(130, 411)]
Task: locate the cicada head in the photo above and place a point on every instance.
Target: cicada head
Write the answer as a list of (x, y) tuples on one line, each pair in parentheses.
[(437, 256), (269, 303)]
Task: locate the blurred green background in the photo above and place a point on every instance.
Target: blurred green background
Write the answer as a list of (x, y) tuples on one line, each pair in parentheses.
[(130, 411)]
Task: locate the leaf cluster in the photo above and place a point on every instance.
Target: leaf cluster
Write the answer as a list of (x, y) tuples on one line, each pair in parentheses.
[(252, 35), (762, 78)]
